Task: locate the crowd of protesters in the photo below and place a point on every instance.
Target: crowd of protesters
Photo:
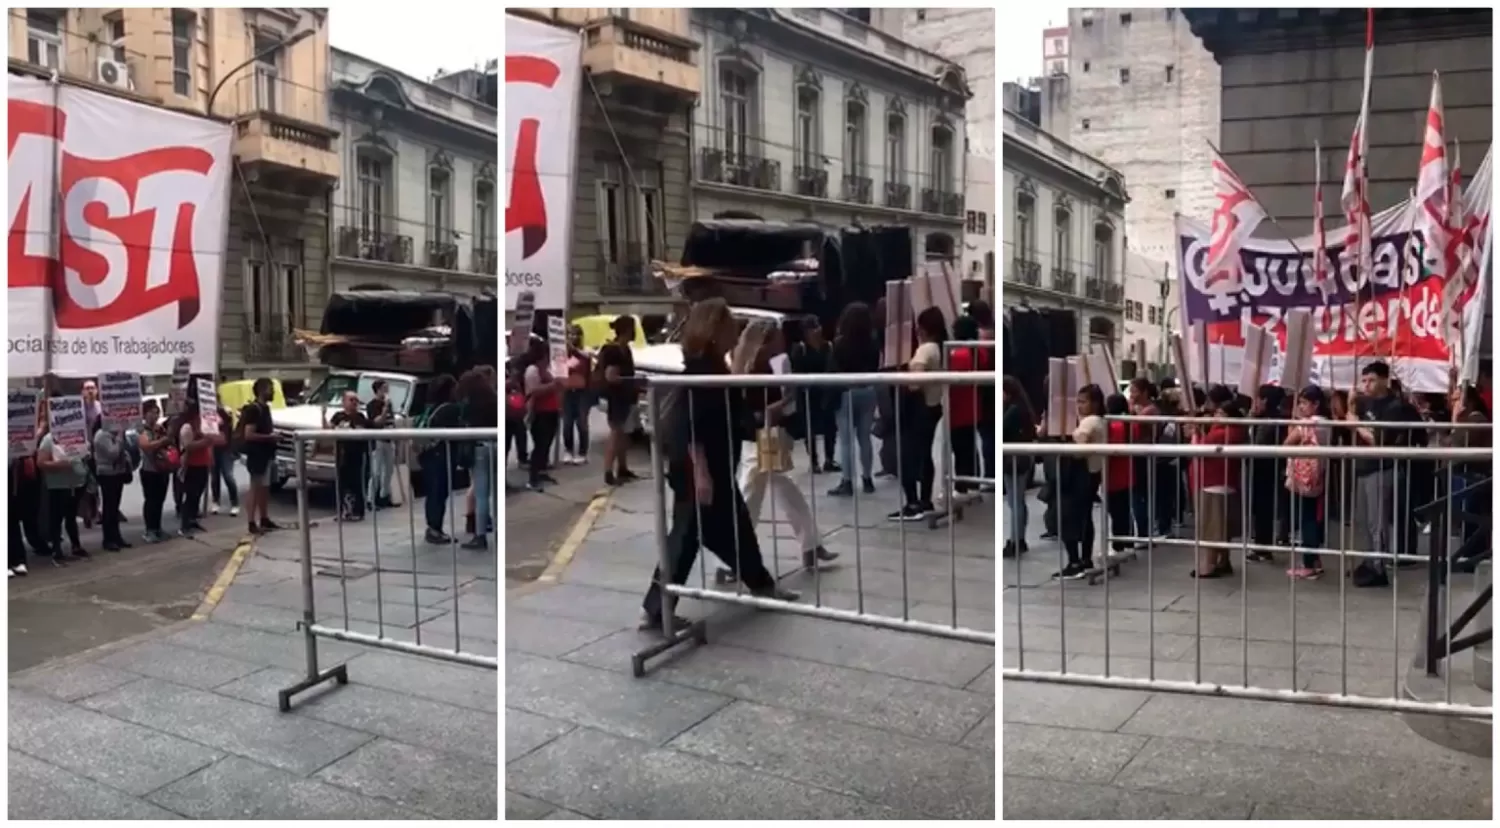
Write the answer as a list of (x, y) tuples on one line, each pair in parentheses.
[(1263, 505), (176, 456)]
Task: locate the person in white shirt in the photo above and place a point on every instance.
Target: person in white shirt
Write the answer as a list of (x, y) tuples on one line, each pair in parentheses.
[(1078, 487)]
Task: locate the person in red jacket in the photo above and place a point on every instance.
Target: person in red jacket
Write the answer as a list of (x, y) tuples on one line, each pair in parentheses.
[(963, 403), (1119, 475), (1214, 485)]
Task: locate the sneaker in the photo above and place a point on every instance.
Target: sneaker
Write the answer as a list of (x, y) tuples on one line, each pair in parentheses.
[(476, 543), (81, 554), (234, 511), (610, 479), (18, 569), (213, 509), (437, 538), (833, 467), (843, 489), (817, 556), (1303, 573), (867, 486), (908, 514), (1258, 557)]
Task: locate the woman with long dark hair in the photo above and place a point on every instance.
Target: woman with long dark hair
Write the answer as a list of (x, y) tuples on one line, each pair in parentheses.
[(855, 351), (1078, 481), (922, 409), (544, 401), (159, 462), (703, 426), (1018, 425), (436, 458), (481, 403)]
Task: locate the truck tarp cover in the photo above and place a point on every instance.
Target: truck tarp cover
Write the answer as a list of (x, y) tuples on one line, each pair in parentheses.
[(389, 316)]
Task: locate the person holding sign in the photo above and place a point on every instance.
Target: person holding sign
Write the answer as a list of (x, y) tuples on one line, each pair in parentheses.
[(112, 468), (159, 463), (351, 458), (197, 463), (63, 477)]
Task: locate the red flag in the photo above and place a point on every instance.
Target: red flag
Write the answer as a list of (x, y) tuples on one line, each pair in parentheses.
[(1236, 216), (1355, 198), (1434, 187)]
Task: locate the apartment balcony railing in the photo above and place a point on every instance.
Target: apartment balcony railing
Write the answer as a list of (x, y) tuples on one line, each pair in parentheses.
[(1026, 271), (628, 275), (442, 255), (898, 195), (1064, 281), (810, 181), (1103, 290), (374, 244), (739, 159), (857, 188), (941, 202), (268, 338), (485, 261), (282, 124), (619, 49)]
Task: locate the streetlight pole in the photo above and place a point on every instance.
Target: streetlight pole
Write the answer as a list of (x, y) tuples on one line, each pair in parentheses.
[(287, 43)]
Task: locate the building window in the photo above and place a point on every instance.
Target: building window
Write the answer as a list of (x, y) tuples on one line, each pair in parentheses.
[(484, 215), (1085, 66), (895, 149), (291, 284), (942, 158), (1124, 18), (373, 175), (1026, 226), (44, 38), (652, 226), (1169, 193), (1170, 71), (267, 71), (611, 209), (1171, 15), (1062, 238), (806, 137), (737, 95), (1151, 314), (921, 14), (1103, 253), (439, 205), (183, 23), (114, 25), (1124, 76), (1057, 45), (854, 138), (976, 222), (273, 286), (1085, 124)]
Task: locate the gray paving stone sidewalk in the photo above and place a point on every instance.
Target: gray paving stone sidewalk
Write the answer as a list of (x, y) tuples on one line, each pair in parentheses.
[(1096, 753), (779, 716), (184, 722)]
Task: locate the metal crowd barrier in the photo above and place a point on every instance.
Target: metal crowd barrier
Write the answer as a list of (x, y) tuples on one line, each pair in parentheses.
[(312, 626), (682, 391), (1343, 500)]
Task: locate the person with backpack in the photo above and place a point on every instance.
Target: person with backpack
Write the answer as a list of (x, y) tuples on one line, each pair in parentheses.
[(1305, 480), (113, 468), (159, 462)]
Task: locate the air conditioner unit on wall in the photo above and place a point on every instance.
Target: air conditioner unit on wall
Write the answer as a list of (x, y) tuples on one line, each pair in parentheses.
[(114, 73)]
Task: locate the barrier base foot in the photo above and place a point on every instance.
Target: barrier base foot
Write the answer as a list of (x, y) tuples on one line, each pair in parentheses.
[(339, 674), (696, 632)]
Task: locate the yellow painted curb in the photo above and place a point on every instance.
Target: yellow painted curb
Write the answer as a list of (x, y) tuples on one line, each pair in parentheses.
[(221, 583), (575, 538)]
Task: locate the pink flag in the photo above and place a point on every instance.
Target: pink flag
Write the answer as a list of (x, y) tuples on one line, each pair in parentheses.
[(1355, 197), (1236, 216), (1322, 279), (1434, 186)]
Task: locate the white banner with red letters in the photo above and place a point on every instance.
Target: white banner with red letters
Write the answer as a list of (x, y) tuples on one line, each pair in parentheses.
[(543, 79), (123, 271)]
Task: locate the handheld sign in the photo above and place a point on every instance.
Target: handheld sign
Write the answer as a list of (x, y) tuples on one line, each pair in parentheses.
[(1255, 365), (557, 344), (21, 419), (68, 426), (520, 335), (120, 399), (1297, 359), (208, 406), (1057, 420), (181, 372)]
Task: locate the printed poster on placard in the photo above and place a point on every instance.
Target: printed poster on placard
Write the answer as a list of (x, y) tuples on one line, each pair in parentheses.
[(120, 399), (520, 333), (140, 211), (557, 345), (22, 421), (177, 400), (208, 406), (70, 433)]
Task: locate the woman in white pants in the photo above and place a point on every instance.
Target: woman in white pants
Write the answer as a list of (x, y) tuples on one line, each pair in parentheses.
[(762, 350)]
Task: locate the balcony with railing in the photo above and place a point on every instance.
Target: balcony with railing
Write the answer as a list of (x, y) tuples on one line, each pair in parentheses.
[(268, 338), (897, 195), (442, 255), (857, 188), (942, 202), (738, 159), (282, 125), (1103, 290), (1026, 271), (810, 180), (485, 261), (374, 242), (619, 49), (625, 272), (1064, 281)]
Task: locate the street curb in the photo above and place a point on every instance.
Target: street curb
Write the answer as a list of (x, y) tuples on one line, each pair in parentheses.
[(224, 581), (576, 536)]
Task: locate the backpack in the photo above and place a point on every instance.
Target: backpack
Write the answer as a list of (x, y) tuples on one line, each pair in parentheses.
[(1304, 475)]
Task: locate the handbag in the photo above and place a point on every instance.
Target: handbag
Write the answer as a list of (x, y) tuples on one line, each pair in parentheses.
[(773, 452)]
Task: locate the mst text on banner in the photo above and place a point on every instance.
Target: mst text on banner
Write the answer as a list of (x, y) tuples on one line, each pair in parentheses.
[(118, 217), (1394, 312), (543, 79)]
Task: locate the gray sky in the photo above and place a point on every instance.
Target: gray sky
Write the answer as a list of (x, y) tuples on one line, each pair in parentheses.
[(1020, 52), (419, 44)]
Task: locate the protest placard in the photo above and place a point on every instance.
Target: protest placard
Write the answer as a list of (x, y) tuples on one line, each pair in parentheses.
[(1057, 420), (181, 374), (69, 428), (1297, 358), (208, 406), (520, 333), (120, 399), (21, 418), (899, 315), (1101, 367), (1255, 365), (557, 345)]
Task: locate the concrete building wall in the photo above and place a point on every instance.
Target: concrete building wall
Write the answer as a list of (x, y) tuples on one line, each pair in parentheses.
[(981, 224), (966, 37), (1154, 126)]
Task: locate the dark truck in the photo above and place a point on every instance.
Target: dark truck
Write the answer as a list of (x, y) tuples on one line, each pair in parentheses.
[(406, 338)]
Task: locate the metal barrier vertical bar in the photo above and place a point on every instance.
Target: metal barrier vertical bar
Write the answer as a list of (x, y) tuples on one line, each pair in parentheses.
[(1294, 508), (1346, 528), (341, 515), (1442, 538), (411, 520), (304, 527), (1396, 530), (812, 506), (739, 542), (453, 534), (659, 484), (1246, 493), (1104, 550), (370, 506), (1014, 479), (1059, 503), (948, 487), (851, 438), (1151, 585), (901, 477), (1198, 519)]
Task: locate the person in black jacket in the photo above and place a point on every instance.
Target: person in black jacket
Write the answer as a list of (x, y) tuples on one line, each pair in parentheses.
[(1018, 425), (1266, 477), (812, 356), (856, 350)]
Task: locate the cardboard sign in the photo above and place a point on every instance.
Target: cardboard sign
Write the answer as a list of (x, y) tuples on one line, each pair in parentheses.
[(120, 399), (898, 322), (68, 426), (181, 372), (1059, 400), (557, 345), (21, 419), (1101, 369), (520, 334), (938, 288), (1255, 365), (1179, 353), (1297, 359), (208, 406)]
